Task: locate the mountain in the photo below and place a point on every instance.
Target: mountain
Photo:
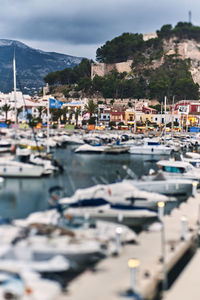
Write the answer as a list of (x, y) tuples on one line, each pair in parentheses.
[(32, 65)]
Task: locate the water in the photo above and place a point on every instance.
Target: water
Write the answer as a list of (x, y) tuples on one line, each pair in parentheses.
[(20, 197)]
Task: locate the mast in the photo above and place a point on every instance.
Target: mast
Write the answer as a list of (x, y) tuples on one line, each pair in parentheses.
[(15, 95), (135, 121), (48, 126), (165, 107), (172, 128)]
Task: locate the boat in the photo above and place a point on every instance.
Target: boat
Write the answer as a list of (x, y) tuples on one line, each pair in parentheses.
[(192, 158), (87, 148), (179, 169), (39, 159), (5, 145), (12, 168), (152, 147), (102, 231), (122, 214), (180, 189), (25, 284), (113, 194), (116, 149)]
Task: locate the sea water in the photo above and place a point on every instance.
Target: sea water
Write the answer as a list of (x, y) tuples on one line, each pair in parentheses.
[(20, 197)]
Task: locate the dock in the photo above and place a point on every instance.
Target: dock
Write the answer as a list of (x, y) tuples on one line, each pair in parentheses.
[(157, 252)]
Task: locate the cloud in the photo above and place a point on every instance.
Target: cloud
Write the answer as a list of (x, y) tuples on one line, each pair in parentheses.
[(81, 23)]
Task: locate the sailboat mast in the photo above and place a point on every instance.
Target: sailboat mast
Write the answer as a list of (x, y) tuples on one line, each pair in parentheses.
[(48, 126), (14, 80)]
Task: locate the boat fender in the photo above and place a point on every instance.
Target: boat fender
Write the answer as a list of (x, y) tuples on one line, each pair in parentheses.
[(109, 192), (69, 217), (120, 217), (13, 149)]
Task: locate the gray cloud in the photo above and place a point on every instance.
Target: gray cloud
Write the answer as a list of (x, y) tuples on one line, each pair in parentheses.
[(86, 23)]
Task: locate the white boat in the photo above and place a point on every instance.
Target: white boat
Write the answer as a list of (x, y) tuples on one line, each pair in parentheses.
[(172, 188), (5, 145), (26, 156), (86, 148), (152, 147), (80, 251), (19, 262), (116, 149), (121, 214), (192, 158), (82, 227), (179, 169), (121, 193), (27, 285), (12, 168)]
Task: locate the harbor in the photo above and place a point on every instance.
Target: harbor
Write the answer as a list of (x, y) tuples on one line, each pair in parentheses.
[(125, 222), (113, 275)]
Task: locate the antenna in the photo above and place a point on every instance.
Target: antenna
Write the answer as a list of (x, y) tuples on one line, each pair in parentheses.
[(190, 16)]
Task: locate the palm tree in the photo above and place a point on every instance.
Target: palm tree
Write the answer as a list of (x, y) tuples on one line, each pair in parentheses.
[(92, 109), (77, 114), (64, 111), (6, 108), (19, 110), (40, 111)]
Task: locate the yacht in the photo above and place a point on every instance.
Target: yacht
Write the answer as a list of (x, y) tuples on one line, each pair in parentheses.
[(151, 146), (179, 169)]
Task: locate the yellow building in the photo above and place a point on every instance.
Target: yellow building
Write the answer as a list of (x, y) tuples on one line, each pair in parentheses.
[(129, 117)]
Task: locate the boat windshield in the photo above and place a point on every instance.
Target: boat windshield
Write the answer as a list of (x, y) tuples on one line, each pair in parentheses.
[(171, 169)]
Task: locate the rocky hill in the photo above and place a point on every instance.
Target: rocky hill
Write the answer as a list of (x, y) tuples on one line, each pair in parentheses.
[(32, 65), (133, 65)]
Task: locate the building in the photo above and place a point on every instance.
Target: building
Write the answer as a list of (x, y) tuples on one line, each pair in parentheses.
[(117, 116)]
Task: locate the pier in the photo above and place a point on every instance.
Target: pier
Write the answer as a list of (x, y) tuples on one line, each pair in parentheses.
[(157, 251)]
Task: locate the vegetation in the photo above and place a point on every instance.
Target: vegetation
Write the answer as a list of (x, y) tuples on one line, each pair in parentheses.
[(172, 78), (70, 76), (183, 30)]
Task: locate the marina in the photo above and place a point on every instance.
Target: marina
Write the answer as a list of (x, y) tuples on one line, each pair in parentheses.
[(94, 221)]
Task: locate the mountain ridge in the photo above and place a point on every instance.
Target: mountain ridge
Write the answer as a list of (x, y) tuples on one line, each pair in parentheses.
[(32, 65)]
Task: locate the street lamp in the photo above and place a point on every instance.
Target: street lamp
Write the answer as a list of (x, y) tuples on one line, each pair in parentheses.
[(161, 206), (133, 264)]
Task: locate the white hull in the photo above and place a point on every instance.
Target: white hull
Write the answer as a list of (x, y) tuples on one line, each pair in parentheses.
[(137, 217), (154, 150), (17, 169), (167, 187), (86, 148)]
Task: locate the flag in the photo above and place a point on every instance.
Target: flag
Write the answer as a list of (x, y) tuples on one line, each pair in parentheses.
[(54, 103)]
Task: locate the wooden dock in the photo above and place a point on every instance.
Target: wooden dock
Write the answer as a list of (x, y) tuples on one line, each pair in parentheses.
[(111, 278)]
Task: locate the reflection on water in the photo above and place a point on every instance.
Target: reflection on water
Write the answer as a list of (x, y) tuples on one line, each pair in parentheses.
[(19, 197)]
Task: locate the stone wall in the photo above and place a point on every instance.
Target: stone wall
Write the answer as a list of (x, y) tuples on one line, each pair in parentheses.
[(102, 69)]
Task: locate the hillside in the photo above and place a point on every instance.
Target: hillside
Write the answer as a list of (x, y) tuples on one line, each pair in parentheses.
[(141, 66), (32, 65)]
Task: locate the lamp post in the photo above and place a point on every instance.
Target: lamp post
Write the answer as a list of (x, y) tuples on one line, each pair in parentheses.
[(118, 240), (133, 264), (161, 206), (183, 228)]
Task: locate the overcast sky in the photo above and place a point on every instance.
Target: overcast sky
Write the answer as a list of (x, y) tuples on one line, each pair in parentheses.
[(79, 27)]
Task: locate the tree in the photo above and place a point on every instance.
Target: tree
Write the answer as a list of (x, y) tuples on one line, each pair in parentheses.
[(56, 114), (19, 110), (64, 111), (77, 114), (6, 108), (91, 108), (40, 111)]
